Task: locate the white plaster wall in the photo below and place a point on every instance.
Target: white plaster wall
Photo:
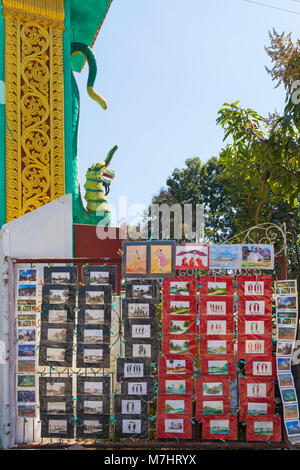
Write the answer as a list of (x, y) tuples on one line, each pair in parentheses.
[(46, 232)]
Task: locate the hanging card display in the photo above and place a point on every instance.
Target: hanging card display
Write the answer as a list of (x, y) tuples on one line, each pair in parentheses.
[(132, 426), (291, 411), (192, 256), (259, 286), (215, 286), (216, 326), (94, 314), (142, 289), (254, 306), (180, 344), (264, 428), (211, 387), (175, 385), (223, 427), (60, 275), (91, 426), (283, 364), (254, 325), (216, 345), (256, 388), (217, 306), (179, 306), (94, 295), (254, 346), (176, 426), (174, 405), (263, 366), (212, 406), (171, 364), (100, 276), (180, 286)]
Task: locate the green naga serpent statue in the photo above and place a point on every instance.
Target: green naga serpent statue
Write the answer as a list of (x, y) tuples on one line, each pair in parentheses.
[(98, 176)]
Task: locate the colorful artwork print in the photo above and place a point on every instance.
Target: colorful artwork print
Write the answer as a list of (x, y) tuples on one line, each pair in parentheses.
[(287, 302), (283, 363), (258, 256), (26, 411), (216, 288), (254, 327), (191, 256), (257, 409), (216, 347), (219, 426), (26, 305), (174, 426), (178, 307), (174, 406), (215, 308), (26, 366), (27, 275), (286, 333), (263, 428), (288, 395), (212, 389), (58, 296), (161, 259), (292, 427), (286, 318), (175, 366), (26, 335), (179, 327), (27, 381), (179, 288), (284, 349), (27, 320), (224, 256), (175, 387), (285, 380), (179, 346), (26, 350), (218, 367), (27, 290), (26, 396), (291, 411), (136, 259), (213, 407), (285, 287)]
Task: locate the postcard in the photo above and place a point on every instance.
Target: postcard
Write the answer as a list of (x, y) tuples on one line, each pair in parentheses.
[(26, 320), (174, 425), (283, 364), (293, 427), (58, 335), (26, 305), (254, 307), (24, 396), (133, 407), (178, 307), (174, 406), (57, 316), (216, 327), (26, 335), (291, 411), (25, 365), (284, 348), (286, 302), (225, 256), (92, 355), (285, 379), (191, 256), (141, 331), (216, 347), (288, 395), (142, 350), (55, 389), (286, 333), (285, 287), (258, 256), (286, 318), (27, 275), (131, 426), (26, 350), (26, 381), (58, 426), (175, 366), (26, 411), (27, 290), (212, 389), (177, 387), (179, 327), (256, 327), (93, 388), (136, 310)]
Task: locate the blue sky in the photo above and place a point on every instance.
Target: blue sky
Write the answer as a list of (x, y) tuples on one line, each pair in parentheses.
[(165, 68)]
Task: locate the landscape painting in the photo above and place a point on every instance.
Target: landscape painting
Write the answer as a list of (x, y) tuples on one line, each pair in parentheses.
[(142, 291), (179, 288), (258, 256), (57, 316), (58, 296), (91, 426), (191, 256), (219, 426), (174, 406), (56, 407), (263, 428), (180, 327), (218, 367), (175, 387), (288, 395), (212, 388), (213, 407), (216, 347), (92, 407), (60, 277), (283, 363), (257, 409), (291, 411), (58, 335), (55, 389), (93, 336), (93, 317), (175, 366), (92, 355), (286, 302), (99, 278), (93, 388), (225, 256), (27, 275), (178, 307), (55, 354), (58, 426), (179, 346), (94, 297), (216, 288)]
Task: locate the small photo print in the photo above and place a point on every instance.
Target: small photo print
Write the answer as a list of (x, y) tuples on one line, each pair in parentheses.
[(138, 310), (93, 336), (287, 302), (142, 291), (26, 350), (57, 316), (258, 256), (56, 407), (133, 370), (216, 288), (27, 320), (55, 354), (216, 327), (254, 327), (263, 428), (216, 347), (26, 335), (141, 331), (60, 277), (57, 335), (256, 390), (288, 395), (174, 425), (286, 333), (212, 389), (26, 305), (27, 275), (131, 407), (26, 396), (215, 308), (175, 387), (58, 296), (131, 426), (27, 290), (253, 307), (179, 346), (92, 355), (55, 389), (178, 307), (58, 426), (179, 327), (293, 427), (286, 318), (175, 366), (284, 348), (26, 381), (26, 366), (93, 317), (174, 407), (26, 411), (93, 388), (99, 278), (141, 350), (285, 380), (92, 407), (219, 426), (285, 287), (179, 288), (291, 411)]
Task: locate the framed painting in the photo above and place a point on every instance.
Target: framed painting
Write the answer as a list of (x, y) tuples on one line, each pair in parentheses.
[(212, 388), (180, 344), (212, 406), (132, 426), (254, 346), (256, 407), (264, 428), (171, 364), (175, 385), (212, 366), (261, 367), (93, 355), (142, 289), (216, 345), (133, 309), (254, 325), (257, 256), (213, 305), (216, 325), (143, 387), (132, 368), (254, 286), (62, 275), (162, 258), (254, 306), (57, 427), (223, 427), (216, 286), (100, 276), (175, 426), (93, 386), (135, 262), (256, 388), (192, 256), (94, 295), (185, 325), (175, 405), (180, 286), (180, 306), (91, 426), (225, 257)]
